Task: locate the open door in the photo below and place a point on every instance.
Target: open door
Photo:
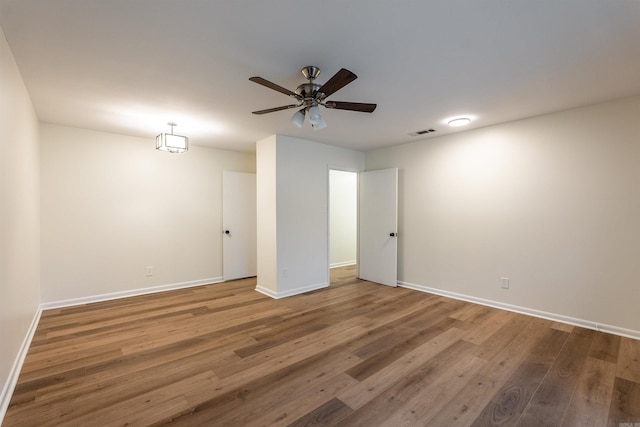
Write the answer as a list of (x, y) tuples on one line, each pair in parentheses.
[(378, 226), (239, 243)]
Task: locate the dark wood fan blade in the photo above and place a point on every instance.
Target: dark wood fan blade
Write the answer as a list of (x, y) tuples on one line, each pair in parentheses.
[(271, 110), (337, 82), (273, 86), (353, 106)]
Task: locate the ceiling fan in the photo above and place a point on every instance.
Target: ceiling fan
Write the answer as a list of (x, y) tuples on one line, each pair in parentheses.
[(311, 95)]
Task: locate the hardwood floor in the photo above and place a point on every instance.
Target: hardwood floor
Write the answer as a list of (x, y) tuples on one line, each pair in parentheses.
[(354, 354)]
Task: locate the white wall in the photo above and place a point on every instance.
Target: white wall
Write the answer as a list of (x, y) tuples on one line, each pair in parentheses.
[(266, 227), (551, 202), (343, 217), (302, 195), (113, 205), (19, 220)]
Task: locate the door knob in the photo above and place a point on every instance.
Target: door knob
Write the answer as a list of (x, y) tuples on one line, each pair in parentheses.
[(392, 234), (227, 232)]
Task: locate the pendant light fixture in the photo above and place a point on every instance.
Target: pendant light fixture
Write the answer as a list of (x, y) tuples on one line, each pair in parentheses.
[(172, 143)]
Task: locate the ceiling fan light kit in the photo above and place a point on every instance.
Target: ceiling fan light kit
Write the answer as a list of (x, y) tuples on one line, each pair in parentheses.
[(311, 95)]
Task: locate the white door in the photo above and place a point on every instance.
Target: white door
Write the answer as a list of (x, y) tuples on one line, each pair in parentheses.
[(239, 225), (377, 226)]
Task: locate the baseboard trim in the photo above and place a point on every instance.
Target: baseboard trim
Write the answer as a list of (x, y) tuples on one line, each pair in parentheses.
[(12, 380), (342, 264), (588, 324), (130, 293), (291, 292)]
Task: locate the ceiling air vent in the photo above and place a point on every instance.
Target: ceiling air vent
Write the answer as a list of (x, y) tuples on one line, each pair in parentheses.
[(422, 132)]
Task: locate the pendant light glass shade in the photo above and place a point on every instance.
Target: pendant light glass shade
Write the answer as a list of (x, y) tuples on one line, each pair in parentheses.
[(298, 118), (172, 143), (320, 125), (314, 115)]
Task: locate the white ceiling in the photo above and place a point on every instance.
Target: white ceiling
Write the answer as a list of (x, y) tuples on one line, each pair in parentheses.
[(131, 66)]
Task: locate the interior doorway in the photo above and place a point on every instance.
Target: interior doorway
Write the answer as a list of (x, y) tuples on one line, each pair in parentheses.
[(343, 222)]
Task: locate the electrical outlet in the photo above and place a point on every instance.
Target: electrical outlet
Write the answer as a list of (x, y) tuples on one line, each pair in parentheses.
[(504, 281), (149, 270)]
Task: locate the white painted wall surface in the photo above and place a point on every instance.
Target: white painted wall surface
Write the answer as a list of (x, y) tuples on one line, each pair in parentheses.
[(113, 205), (302, 196), (19, 219), (266, 227), (551, 202), (343, 217)]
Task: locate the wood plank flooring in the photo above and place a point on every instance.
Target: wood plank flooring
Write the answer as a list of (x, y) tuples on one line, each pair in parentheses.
[(354, 354)]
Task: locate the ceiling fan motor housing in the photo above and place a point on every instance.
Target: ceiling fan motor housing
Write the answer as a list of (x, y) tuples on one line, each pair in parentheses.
[(309, 90)]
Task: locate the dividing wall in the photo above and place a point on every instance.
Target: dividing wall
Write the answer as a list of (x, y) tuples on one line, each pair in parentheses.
[(293, 197)]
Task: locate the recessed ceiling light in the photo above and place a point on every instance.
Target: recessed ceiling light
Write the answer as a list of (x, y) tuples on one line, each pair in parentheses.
[(460, 121)]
